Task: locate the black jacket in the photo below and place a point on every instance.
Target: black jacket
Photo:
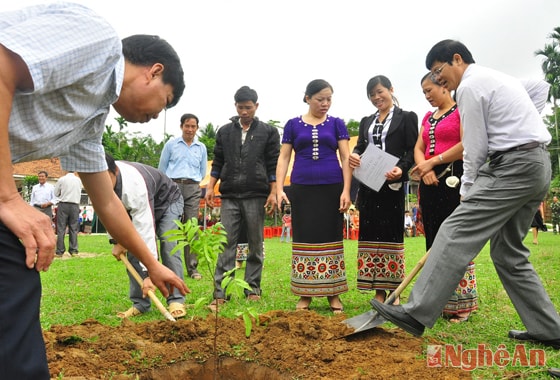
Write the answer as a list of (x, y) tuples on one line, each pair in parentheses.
[(400, 139), (246, 171)]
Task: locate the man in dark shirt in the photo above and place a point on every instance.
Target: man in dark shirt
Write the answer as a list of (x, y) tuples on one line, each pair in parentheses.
[(245, 157)]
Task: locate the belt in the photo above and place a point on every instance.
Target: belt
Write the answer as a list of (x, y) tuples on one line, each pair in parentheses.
[(185, 181), (528, 146), (69, 203)]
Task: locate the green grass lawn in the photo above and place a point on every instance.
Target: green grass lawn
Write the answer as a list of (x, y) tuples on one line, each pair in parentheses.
[(81, 288)]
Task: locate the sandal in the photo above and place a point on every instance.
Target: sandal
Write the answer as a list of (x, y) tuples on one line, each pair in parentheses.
[(132, 312), (459, 319), (177, 310), (456, 318), (303, 303), (196, 276), (337, 310)]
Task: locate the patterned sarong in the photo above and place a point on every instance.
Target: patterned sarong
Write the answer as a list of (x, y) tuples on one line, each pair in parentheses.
[(380, 265), (465, 298), (318, 269)]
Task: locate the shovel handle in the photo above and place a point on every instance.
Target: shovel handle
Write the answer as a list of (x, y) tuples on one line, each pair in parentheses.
[(407, 279), (151, 294)]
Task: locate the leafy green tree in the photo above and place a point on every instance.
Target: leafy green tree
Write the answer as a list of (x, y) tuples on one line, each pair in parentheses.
[(353, 127), (133, 147), (28, 182), (551, 69), (208, 138), (274, 123)]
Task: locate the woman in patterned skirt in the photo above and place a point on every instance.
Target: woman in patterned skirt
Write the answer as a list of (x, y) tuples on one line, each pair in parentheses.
[(381, 237), (439, 156), (319, 197)]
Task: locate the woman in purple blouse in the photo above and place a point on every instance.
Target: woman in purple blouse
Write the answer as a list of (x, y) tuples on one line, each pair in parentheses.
[(319, 197)]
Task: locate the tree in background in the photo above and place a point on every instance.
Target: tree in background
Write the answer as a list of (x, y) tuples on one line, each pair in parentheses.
[(353, 127), (207, 136), (551, 69), (133, 147)]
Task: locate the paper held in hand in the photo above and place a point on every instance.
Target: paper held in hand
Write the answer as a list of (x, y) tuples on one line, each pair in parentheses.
[(374, 164)]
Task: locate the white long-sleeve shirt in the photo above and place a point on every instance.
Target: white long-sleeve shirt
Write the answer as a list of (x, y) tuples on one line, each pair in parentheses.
[(497, 114)]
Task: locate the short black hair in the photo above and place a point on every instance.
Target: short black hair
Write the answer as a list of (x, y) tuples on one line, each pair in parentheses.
[(444, 50), (188, 116), (244, 94), (147, 50)]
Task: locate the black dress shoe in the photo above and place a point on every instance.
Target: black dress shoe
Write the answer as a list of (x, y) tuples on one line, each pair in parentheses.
[(399, 317), (554, 372), (525, 336)]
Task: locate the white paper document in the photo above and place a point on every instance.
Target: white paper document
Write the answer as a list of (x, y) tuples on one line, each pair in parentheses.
[(374, 164)]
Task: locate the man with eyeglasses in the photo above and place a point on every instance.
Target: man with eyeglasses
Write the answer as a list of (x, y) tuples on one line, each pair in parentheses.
[(506, 176)]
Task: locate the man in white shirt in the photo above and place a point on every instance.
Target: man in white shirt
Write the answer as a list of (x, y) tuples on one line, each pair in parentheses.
[(62, 67), (68, 191), (506, 175), (42, 195)]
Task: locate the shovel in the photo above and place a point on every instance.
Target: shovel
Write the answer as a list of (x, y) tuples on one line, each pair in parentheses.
[(371, 319), (151, 294)]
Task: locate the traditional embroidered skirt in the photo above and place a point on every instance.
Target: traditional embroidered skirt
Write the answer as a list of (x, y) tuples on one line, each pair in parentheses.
[(318, 267), (381, 238), (243, 246), (465, 298), (243, 251)]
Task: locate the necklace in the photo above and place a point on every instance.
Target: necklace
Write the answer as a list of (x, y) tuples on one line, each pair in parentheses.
[(432, 131)]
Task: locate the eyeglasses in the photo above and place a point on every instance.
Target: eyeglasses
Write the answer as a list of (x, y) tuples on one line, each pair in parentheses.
[(437, 72)]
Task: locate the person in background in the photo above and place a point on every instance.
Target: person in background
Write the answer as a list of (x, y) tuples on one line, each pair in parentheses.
[(57, 90), (68, 192), (439, 159), (245, 157), (42, 195), (381, 237), (505, 153), (154, 202), (319, 197), (184, 160), (409, 225), (286, 234), (538, 223), (555, 210)]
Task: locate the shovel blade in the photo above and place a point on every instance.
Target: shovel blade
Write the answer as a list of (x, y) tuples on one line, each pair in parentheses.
[(364, 321)]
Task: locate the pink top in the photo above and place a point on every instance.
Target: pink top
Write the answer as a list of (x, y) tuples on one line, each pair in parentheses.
[(447, 132)]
